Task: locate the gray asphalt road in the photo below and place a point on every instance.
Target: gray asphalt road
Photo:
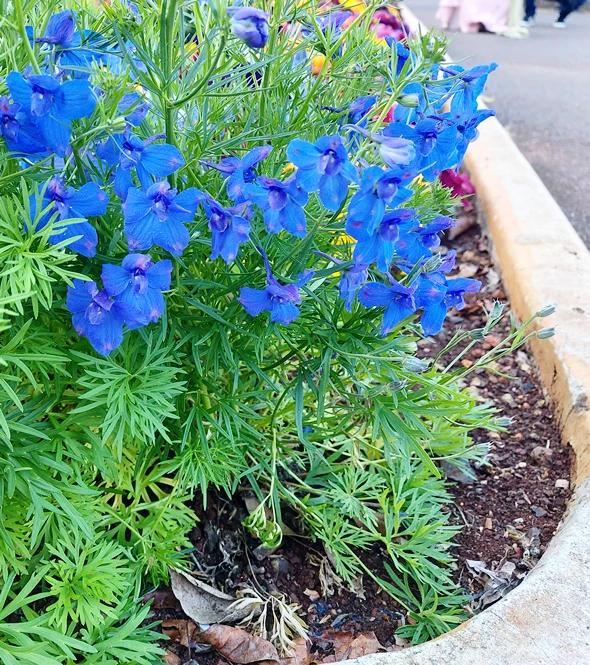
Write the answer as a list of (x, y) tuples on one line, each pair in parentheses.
[(541, 93)]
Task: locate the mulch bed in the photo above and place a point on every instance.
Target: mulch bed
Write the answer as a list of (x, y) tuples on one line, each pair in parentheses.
[(509, 514)]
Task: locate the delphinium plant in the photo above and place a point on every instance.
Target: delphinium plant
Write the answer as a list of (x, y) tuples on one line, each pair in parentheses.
[(216, 262)]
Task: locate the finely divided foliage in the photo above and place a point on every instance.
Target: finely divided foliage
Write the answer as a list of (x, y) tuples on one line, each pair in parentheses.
[(214, 270)]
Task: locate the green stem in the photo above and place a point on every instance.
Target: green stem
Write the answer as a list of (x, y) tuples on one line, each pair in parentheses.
[(20, 22)]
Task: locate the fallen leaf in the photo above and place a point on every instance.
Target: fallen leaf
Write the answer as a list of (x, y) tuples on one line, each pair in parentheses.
[(201, 602), (299, 654), (312, 594), (162, 599), (180, 630), (171, 658), (348, 646), (238, 646)]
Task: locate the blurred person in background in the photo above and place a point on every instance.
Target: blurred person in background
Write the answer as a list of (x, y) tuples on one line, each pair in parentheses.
[(481, 16), (566, 7)]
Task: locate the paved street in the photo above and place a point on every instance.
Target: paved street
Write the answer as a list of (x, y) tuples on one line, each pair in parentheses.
[(541, 93)]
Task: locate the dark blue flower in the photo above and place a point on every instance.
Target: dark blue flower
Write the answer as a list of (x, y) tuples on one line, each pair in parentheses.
[(377, 189), (229, 228), (240, 172), (137, 284), (359, 109), (95, 315), (281, 300), (417, 242), (52, 105), (157, 217), (134, 108), (467, 85), (250, 25), (70, 204), (60, 29), (350, 283), (457, 288), (22, 135), (435, 294), (380, 246), (128, 152), (466, 124), (434, 142), (398, 301), (323, 166), (281, 204)]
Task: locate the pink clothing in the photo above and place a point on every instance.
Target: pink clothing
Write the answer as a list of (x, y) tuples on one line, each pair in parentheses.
[(469, 15)]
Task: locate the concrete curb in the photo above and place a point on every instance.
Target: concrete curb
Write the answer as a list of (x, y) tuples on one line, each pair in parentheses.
[(546, 620)]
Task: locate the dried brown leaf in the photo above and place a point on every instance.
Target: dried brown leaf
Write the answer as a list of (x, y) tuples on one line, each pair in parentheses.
[(347, 645), (238, 646), (299, 654), (183, 631), (201, 602), (171, 658)]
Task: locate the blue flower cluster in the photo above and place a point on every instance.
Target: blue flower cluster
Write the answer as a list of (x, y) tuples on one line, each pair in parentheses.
[(393, 264)]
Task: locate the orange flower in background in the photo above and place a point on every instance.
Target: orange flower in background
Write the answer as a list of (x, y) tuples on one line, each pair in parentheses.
[(317, 64)]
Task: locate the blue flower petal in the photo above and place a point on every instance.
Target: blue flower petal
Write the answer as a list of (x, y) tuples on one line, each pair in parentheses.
[(172, 236), (78, 296), (20, 90), (115, 279), (56, 133), (254, 301), (333, 191), (303, 154), (398, 310), (284, 313), (76, 99), (84, 245), (375, 294), (108, 335), (159, 275), (161, 160), (89, 201)]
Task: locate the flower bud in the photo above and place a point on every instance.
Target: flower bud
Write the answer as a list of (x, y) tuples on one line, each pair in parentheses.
[(545, 333), (118, 124), (410, 101), (250, 25), (546, 311)]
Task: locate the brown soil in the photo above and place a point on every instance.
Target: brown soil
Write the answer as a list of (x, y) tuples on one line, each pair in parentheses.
[(509, 514)]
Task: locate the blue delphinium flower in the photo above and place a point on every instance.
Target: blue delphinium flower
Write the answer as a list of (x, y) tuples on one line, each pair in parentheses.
[(134, 108), (467, 85), (281, 300), (127, 152), (229, 228), (350, 283), (137, 284), (88, 201), (240, 172), (434, 142), (157, 217), (323, 166), (397, 299), (435, 294), (95, 315), (52, 105), (281, 204), (417, 242), (22, 135), (377, 189), (380, 246), (250, 25), (60, 29)]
